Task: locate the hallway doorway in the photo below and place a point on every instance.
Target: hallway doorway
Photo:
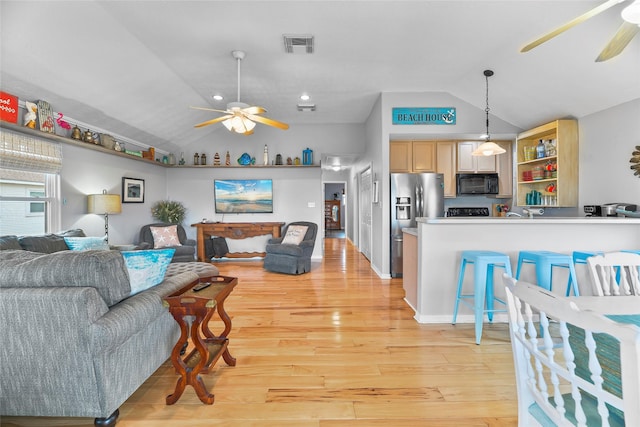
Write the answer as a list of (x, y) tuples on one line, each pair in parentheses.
[(335, 209)]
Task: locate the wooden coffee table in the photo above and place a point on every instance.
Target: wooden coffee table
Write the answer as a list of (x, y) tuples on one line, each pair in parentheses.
[(208, 347)]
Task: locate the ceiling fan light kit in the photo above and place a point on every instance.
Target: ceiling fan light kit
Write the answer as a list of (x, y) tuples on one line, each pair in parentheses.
[(627, 31), (241, 117), (631, 13)]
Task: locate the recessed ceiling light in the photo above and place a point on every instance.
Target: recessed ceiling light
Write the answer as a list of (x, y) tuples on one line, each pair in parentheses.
[(305, 97), (218, 97)]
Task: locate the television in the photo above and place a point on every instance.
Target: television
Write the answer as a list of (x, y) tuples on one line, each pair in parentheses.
[(243, 195)]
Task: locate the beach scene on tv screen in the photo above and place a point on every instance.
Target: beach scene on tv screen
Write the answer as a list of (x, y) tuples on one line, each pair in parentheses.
[(243, 195)]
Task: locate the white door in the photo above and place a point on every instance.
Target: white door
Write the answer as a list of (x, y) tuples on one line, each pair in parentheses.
[(365, 213)]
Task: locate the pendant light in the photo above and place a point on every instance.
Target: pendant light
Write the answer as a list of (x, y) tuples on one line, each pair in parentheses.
[(488, 148)]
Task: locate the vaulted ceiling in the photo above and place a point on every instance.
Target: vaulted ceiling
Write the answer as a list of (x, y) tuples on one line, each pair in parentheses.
[(135, 67)]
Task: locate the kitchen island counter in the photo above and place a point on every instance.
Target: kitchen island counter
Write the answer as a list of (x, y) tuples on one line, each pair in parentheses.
[(531, 221), (441, 241)]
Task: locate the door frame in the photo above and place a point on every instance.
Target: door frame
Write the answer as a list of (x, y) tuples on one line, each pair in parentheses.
[(344, 206)]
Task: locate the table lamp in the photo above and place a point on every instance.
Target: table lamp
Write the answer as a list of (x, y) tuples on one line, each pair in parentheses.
[(104, 204)]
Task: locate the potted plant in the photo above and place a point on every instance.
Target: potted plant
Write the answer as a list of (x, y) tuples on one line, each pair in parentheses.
[(169, 211)]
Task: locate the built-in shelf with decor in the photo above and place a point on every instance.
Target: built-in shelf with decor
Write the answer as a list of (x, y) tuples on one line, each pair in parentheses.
[(97, 147), (88, 145)]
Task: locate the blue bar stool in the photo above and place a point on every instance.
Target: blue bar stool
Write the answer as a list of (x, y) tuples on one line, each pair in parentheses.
[(544, 262), (580, 257), (484, 263)]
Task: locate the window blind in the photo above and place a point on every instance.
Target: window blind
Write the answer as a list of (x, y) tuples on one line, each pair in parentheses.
[(28, 153)]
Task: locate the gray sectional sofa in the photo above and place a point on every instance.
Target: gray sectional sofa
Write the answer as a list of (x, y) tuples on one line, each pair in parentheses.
[(73, 343)]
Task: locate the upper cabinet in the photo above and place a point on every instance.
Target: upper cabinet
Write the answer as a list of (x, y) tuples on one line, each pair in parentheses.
[(424, 156), (504, 168), (412, 156), (400, 156), (446, 165), (445, 157), (468, 163), (547, 165)]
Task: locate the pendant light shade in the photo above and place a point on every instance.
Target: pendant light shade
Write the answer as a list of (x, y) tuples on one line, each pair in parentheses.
[(488, 148)]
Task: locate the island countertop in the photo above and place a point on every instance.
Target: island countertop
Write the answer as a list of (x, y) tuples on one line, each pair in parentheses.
[(442, 240), (530, 221)]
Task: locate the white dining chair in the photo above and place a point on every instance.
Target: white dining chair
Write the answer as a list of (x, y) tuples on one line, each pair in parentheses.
[(582, 370), (615, 273)]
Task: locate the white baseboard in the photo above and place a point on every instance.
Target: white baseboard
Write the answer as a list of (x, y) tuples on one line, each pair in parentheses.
[(462, 318)]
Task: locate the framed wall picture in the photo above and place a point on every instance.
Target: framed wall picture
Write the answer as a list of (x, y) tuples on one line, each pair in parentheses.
[(132, 190)]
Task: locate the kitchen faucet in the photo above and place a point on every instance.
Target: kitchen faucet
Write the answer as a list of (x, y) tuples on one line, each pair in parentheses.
[(530, 212), (533, 211)]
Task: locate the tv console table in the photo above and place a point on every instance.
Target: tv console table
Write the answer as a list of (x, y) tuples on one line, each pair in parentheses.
[(234, 230)]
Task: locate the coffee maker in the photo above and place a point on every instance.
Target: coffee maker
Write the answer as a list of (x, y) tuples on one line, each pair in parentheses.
[(609, 209)]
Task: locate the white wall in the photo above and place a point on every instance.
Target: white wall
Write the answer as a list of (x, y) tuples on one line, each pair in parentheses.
[(86, 172), (297, 196), (607, 139)]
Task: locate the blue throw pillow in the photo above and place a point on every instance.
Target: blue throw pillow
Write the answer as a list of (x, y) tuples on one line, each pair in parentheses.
[(146, 268), (87, 243)]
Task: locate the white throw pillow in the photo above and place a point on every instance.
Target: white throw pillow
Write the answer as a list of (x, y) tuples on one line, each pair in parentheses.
[(164, 237), (295, 234)]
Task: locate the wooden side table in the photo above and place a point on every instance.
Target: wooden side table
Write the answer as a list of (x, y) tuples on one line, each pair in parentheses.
[(200, 306)]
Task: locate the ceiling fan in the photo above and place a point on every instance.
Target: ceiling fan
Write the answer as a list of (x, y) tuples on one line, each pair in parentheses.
[(240, 117), (629, 28)]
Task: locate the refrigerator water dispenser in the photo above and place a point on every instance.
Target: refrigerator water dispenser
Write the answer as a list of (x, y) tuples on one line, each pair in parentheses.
[(403, 212)]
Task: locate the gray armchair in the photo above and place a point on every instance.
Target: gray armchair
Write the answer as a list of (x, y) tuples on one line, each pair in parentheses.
[(290, 258), (184, 253)]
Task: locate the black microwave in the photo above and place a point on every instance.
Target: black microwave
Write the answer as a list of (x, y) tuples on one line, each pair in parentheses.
[(476, 183)]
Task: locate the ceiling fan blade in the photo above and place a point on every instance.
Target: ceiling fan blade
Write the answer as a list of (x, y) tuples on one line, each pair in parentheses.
[(254, 110), (212, 121), (620, 40), (561, 29), (267, 121), (210, 109)]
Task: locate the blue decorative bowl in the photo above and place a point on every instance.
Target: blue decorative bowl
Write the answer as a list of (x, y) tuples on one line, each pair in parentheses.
[(245, 160)]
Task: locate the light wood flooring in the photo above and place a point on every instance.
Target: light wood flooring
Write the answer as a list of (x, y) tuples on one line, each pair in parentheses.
[(334, 347)]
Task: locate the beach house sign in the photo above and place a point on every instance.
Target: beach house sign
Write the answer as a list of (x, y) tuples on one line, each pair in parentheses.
[(424, 116)]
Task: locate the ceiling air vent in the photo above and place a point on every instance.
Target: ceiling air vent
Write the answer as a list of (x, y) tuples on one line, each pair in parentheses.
[(298, 43), (306, 107)]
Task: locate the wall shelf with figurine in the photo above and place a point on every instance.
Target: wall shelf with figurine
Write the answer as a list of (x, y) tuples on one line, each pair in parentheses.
[(100, 148), (547, 165), (242, 166), (78, 143)]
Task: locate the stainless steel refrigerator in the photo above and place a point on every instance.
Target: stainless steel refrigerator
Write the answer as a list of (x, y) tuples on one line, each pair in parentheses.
[(413, 195)]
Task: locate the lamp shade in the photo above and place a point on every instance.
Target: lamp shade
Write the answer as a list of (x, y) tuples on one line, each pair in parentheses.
[(104, 204), (488, 149)]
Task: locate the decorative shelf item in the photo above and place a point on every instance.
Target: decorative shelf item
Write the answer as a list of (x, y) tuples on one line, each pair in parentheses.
[(557, 164), (77, 143)]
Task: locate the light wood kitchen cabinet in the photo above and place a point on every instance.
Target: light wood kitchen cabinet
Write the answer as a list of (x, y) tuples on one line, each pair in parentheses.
[(446, 165), (504, 167), (410, 269), (424, 158), (412, 156), (468, 163), (555, 176), (400, 156)]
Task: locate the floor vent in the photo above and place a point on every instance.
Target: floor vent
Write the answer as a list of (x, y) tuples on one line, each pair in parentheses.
[(302, 43)]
